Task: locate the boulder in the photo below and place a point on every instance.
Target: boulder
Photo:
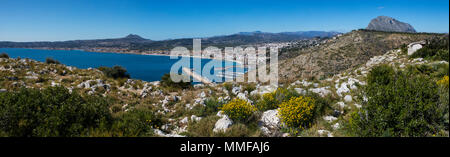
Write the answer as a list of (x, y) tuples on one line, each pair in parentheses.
[(336, 126), (413, 47), (300, 91), (195, 118), (270, 123), (242, 96), (222, 124), (324, 132), (323, 91), (202, 95), (342, 89), (267, 89), (185, 120), (329, 118), (341, 104), (348, 98), (236, 90)]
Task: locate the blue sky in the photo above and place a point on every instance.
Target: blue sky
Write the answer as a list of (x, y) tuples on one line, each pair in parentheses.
[(55, 20)]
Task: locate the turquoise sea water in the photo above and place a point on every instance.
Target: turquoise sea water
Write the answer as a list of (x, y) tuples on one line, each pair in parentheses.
[(144, 67)]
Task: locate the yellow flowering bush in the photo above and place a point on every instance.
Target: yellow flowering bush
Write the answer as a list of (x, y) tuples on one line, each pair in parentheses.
[(443, 82), (297, 112), (238, 110)]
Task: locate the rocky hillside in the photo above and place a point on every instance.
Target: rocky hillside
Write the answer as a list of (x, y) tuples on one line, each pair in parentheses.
[(139, 108), (345, 88), (344, 52), (389, 24), (176, 107)]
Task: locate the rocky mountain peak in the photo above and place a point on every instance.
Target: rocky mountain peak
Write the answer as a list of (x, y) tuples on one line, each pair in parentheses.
[(389, 24)]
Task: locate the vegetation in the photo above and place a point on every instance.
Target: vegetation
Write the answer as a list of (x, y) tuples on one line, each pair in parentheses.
[(139, 122), (203, 128), (271, 101), (239, 110), (166, 81), (56, 112), (51, 61), (4, 55), (51, 112), (401, 103), (435, 49), (298, 112), (115, 72)]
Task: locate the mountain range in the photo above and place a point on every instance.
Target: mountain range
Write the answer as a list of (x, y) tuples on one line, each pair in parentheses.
[(137, 43)]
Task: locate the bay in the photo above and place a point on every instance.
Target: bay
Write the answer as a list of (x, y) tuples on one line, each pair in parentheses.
[(143, 67)]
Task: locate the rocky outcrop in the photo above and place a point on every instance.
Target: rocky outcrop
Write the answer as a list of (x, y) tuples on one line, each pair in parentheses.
[(389, 24), (223, 123), (413, 47), (270, 123)]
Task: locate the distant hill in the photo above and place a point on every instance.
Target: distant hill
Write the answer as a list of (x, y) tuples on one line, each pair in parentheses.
[(137, 43), (389, 24), (117, 42)]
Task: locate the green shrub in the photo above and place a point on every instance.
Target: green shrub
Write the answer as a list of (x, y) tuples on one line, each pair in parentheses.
[(211, 107), (228, 86), (381, 75), (399, 104), (51, 61), (4, 55), (404, 49), (137, 122), (435, 49), (115, 72), (238, 110), (434, 70), (203, 128), (249, 87), (271, 101), (321, 104), (166, 81), (444, 99), (50, 112)]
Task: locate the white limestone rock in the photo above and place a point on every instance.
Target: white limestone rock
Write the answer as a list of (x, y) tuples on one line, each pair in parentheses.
[(336, 126), (323, 91), (222, 124), (270, 123), (185, 120), (300, 91), (325, 132), (348, 98), (413, 47), (341, 104), (330, 118), (195, 118)]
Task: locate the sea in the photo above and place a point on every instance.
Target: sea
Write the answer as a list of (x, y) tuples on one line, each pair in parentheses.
[(144, 67)]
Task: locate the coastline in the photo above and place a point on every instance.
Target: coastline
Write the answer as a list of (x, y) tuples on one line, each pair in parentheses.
[(136, 53)]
